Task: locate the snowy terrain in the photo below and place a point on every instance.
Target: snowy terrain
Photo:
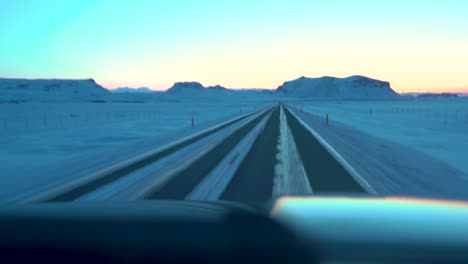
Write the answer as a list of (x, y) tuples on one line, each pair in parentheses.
[(195, 90), (436, 127), (132, 90), (323, 88), (49, 127), (19, 90), (52, 137), (391, 168), (354, 87)]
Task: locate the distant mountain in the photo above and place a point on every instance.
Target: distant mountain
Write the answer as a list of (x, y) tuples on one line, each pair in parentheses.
[(354, 87), (254, 93), (217, 88), (132, 90), (51, 89), (413, 94), (437, 95), (180, 87), (182, 90)]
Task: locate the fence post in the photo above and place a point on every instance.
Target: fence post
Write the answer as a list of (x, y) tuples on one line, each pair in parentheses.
[(326, 120), (193, 119)]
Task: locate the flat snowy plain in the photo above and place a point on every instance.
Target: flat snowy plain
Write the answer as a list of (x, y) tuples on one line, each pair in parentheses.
[(41, 142), (437, 127)]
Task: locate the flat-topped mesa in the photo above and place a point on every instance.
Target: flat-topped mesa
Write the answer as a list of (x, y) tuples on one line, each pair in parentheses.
[(195, 89), (52, 88), (13, 83), (183, 86), (354, 87)]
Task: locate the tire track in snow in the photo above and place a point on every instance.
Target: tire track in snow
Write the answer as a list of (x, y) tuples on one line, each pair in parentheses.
[(215, 183), (184, 182), (78, 188), (253, 180), (137, 183), (324, 172)]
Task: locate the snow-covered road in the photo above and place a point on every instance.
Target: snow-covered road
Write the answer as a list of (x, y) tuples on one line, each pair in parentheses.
[(259, 156), (254, 157), (391, 168)]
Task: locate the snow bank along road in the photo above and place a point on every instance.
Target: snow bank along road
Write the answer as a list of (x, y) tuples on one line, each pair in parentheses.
[(252, 158)]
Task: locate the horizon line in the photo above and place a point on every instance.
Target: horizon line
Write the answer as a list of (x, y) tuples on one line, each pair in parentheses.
[(458, 90)]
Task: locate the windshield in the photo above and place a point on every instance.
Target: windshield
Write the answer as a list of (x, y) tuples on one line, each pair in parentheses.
[(243, 101)]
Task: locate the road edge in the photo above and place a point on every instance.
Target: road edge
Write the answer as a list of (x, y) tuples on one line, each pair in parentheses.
[(356, 176)]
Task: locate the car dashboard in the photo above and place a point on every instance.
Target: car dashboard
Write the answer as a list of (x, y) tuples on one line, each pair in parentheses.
[(287, 230)]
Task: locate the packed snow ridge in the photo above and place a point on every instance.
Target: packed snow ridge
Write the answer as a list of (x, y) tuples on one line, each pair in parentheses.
[(354, 87)]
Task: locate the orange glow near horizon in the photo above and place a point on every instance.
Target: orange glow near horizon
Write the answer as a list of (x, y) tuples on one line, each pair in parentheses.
[(417, 46), (270, 85)]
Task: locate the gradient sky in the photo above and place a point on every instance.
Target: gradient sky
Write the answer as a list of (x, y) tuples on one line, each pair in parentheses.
[(415, 45)]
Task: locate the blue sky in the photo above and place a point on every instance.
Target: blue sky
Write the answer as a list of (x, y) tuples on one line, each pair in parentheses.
[(416, 45)]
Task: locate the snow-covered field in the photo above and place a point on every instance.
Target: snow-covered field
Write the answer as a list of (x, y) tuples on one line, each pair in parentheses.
[(437, 127), (36, 136), (41, 142)]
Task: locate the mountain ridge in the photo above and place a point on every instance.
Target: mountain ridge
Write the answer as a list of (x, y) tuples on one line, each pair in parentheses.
[(326, 87), (52, 89), (353, 87)]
